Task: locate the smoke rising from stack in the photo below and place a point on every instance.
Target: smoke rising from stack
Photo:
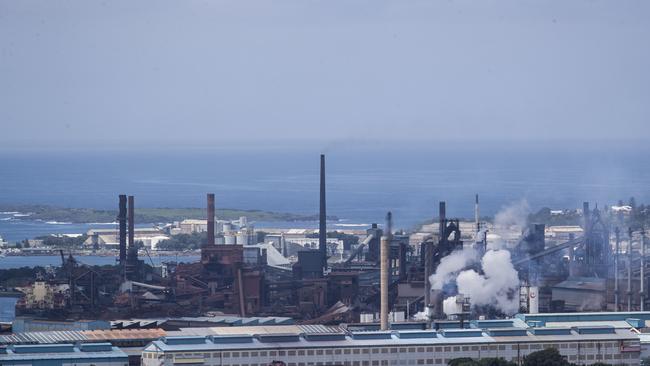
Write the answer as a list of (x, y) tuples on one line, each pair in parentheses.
[(497, 286), (451, 265), (498, 283)]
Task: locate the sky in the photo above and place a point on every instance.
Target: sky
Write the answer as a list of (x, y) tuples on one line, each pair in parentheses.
[(156, 72)]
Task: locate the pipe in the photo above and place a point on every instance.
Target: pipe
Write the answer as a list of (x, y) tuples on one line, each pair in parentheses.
[(629, 270), (322, 217), (384, 251), (616, 291), (642, 273), (121, 218), (210, 219)]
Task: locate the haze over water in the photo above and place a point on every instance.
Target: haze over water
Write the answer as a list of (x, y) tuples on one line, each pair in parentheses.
[(363, 182)]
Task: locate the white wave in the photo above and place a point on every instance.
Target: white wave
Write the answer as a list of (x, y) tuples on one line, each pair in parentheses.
[(9, 212), (57, 223), (352, 225), (102, 223), (22, 215), (6, 218)]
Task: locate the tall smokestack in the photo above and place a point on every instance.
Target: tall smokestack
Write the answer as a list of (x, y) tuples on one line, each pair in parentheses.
[(210, 219), (131, 214), (443, 217), (585, 215), (476, 216), (629, 270), (385, 270), (322, 217), (642, 272), (121, 218), (617, 231)]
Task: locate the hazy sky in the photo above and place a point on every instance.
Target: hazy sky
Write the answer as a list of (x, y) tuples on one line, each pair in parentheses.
[(229, 71)]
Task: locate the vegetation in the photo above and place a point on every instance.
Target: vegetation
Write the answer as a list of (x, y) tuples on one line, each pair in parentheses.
[(184, 242), (64, 242), (148, 215), (16, 277), (546, 357), (466, 361)]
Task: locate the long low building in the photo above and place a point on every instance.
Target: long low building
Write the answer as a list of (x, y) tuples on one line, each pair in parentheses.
[(89, 354), (580, 345)]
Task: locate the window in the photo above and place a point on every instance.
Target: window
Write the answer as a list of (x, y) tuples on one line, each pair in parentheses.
[(291, 353), (244, 354), (235, 354), (254, 354), (456, 349), (465, 348), (310, 352), (301, 353), (356, 351)]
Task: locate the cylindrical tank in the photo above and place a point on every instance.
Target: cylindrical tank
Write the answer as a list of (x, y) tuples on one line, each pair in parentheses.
[(227, 227), (229, 239), (243, 221), (242, 238), (533, 300), (219, 240)]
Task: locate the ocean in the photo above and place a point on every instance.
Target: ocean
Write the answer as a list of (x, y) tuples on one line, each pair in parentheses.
[(363, 182)]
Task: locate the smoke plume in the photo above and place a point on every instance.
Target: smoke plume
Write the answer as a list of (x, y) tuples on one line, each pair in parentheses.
[(511, 218), (497, 286), (450, 266)]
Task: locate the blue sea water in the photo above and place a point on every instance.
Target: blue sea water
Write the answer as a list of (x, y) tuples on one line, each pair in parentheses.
[(363, 183)]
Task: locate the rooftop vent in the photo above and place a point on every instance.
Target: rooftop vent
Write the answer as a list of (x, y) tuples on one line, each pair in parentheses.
[(184, 340), (605, 329), (96, 347), (371, 335), (484, 324), (507, 332), (44, 348), (275, 338), (235, 338), (324, 336), (417, 334), (457, 333), (550, 331)]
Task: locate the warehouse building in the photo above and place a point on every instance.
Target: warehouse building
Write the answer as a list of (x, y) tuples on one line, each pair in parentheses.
[(89, 354), (580, 345)]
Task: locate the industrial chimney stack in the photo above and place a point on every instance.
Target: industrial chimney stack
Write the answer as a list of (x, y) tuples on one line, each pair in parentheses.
[(121, 218), (210, 219), (131, 216), (385, 272), (322, 224)]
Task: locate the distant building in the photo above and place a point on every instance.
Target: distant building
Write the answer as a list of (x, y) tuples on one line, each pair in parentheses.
[(110, 239), (26, 324)]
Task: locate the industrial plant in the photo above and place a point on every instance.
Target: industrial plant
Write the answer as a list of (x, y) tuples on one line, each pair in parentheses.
[(454, 288)]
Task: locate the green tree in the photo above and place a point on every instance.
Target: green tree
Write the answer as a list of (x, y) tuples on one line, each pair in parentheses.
[(546, 357)]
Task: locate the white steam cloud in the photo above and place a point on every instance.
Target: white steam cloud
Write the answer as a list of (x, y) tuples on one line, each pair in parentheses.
[(497, 286), (450, 266), (511, 218)]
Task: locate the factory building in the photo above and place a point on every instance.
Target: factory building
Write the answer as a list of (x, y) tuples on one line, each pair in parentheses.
[(580, 345), (87, 354)]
